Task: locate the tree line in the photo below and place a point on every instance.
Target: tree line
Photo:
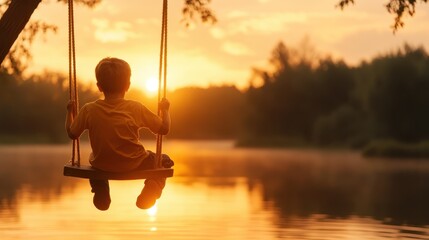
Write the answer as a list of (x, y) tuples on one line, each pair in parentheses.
[(325, 102), (33, 109), (302, 100)]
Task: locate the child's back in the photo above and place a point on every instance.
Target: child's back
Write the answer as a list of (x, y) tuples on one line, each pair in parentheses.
[(113, 126)]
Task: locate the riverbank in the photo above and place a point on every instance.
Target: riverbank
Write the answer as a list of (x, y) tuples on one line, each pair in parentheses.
[(377, 148), (395, 149)]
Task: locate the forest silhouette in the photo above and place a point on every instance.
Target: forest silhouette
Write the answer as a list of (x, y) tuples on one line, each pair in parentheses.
[(302, 100)]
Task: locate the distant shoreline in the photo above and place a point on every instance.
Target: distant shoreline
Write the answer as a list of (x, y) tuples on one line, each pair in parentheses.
[(395, 149), (375, 149)]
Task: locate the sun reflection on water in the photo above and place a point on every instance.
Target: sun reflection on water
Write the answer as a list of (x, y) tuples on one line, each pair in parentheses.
[(153, 210)]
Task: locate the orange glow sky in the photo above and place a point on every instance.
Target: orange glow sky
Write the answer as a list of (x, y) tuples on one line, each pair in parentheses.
[(206, 55)]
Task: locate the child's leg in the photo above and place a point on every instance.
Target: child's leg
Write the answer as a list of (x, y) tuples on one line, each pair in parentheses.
[(166, 161), (149, 161), (101, 191), (151, 191), (154, 186)]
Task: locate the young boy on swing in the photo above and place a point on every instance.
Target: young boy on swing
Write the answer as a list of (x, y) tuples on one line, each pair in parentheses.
[(113, 124)]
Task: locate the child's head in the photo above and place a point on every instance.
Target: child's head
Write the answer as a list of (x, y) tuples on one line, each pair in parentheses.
[(113, 75)]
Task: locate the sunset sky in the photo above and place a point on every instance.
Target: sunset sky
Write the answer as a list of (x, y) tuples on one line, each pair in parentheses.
[(223, 53)]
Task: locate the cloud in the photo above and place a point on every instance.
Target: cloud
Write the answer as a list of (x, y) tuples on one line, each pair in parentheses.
[(149, 21), (106, 31), (236, 49), (263, 23), (207, 71), (108, 8), (217, 33), (237, 14)]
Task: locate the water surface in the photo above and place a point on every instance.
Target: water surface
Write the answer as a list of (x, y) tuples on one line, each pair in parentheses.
[(220, 192)]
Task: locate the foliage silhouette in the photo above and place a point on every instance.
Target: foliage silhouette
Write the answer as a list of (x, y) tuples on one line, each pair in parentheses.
[(399, 8), (34, 108), (331, 103)]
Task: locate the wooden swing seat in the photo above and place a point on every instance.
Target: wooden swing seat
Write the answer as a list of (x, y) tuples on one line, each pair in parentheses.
[(92, 173)]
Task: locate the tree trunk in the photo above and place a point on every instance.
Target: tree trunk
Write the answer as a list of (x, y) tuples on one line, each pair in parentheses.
[(13, 21)]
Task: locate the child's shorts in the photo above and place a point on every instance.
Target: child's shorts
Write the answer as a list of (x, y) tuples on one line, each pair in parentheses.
[(149, 161)]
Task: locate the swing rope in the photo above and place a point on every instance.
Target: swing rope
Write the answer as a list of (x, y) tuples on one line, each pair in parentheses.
[(162, 77), (73, 92)]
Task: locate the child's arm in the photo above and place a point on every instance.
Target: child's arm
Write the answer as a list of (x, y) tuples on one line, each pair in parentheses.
[(164, 106), (71, 112)]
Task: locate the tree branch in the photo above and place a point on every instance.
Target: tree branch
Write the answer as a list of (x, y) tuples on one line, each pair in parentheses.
[(399, 8)]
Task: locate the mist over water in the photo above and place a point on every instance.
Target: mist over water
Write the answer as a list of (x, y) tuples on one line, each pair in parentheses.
[(220, 191)]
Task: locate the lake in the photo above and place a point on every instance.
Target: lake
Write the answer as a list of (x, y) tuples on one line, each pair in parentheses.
[(220, 192)]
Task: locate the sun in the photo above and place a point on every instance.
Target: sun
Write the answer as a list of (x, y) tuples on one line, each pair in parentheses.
[(151, 85)]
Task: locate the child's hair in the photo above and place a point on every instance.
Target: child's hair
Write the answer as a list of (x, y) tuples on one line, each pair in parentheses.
[(113, 75)]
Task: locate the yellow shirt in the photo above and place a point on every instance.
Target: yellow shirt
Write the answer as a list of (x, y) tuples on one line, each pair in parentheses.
[(113, 127)]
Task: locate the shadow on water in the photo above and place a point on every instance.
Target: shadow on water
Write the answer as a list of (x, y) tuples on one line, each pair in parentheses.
[(37, 169), (397, 197), (294, 182)]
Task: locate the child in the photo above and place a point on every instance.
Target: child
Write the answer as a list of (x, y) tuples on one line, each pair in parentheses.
[(113, 125)]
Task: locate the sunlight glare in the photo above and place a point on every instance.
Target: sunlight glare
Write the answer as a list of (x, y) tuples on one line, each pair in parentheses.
[(152, 85), (153, 210)]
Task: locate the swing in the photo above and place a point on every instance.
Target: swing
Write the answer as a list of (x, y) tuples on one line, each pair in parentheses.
[(74, 168)]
